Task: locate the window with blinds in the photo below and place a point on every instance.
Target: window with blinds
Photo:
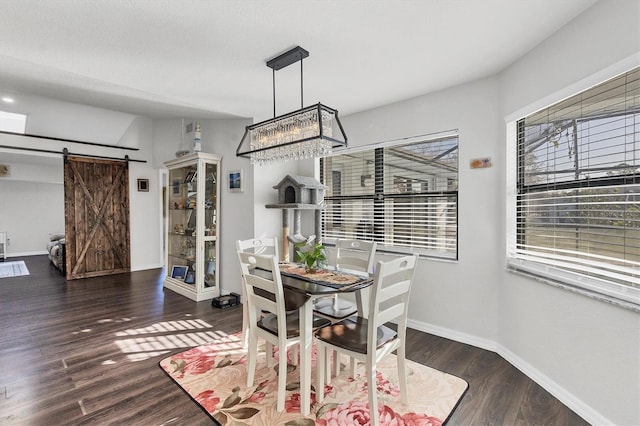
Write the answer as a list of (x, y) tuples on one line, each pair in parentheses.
[(578, 189), (405, 197)]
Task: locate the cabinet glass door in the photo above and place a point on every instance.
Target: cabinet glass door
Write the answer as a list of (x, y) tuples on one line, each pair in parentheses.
[(211, 200), (210, 223), (182, 220)]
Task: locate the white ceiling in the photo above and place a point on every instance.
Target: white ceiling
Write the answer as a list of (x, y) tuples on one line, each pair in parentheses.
[(206, 59)]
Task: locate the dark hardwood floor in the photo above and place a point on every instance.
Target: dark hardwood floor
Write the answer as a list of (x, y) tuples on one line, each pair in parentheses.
[(86, 352)]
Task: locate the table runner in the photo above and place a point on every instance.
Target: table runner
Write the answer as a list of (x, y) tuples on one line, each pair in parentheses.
[(335, 279)]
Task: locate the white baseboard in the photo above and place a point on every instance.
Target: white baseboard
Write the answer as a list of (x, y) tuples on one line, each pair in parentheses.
[(35, 253), (555, 389), (145, 267), (27, 253), (448, 333)]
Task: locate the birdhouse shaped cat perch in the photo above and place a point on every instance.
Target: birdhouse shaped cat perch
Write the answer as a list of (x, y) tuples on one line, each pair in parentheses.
[(297, 193)]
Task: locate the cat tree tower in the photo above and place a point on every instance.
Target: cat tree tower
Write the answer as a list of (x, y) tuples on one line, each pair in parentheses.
[(297, 193)]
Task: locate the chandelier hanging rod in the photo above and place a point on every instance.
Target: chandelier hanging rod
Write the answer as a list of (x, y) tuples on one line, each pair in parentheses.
[(284, 60)]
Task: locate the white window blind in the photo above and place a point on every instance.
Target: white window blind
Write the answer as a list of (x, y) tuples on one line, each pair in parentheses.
[(405, 197), (578, 202)]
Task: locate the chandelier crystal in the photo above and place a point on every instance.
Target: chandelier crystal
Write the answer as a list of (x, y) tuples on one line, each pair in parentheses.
[(302, 134), (306, 133)]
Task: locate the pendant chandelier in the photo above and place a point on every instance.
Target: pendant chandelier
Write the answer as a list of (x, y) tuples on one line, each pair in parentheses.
[(311, 131)]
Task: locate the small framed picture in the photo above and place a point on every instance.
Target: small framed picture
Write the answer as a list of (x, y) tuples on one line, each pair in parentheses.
[(236, 181), (179, 272), (143, 185)]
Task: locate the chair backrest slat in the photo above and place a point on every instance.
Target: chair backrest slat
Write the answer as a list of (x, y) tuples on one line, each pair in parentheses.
[(355, 254), (393, 289), (389, 295), (262, 246), (262, 272), (389, 314)]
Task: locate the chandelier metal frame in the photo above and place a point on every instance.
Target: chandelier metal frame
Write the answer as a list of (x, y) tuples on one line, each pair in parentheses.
[(284, 131)]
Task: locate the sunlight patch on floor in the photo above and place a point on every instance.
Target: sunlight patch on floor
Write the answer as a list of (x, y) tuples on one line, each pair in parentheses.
[(141, 348), (164, 326)]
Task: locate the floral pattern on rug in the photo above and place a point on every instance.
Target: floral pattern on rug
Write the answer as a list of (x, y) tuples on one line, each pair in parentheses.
[(215, 376)]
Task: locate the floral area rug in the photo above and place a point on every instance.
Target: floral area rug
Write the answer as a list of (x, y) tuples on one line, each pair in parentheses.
[(215, 376)]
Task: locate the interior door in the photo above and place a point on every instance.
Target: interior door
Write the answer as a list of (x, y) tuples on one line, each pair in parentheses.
[(96, 204)]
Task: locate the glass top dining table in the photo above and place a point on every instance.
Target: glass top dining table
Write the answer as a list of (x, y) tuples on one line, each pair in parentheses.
[(300, 289)]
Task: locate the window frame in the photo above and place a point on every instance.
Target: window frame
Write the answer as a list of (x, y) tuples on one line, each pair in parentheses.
[(380, 192), (623, 295)]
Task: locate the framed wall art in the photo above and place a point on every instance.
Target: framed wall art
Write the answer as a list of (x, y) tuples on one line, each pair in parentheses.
[(143, 185), (236, 181)]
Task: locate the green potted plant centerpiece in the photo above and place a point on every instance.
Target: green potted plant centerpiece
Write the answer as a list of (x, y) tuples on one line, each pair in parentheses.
[(311, 255)]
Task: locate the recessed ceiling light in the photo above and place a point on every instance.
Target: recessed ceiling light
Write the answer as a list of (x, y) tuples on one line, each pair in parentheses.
[(8, 100)]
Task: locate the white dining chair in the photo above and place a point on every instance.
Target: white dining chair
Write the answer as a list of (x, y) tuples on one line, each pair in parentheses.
[(353, 255), (350, 255), (368, 339), (260, 245), (268, 318)]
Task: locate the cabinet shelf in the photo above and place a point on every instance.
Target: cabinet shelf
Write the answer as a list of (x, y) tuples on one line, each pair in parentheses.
[(192, 225), (187, 257)]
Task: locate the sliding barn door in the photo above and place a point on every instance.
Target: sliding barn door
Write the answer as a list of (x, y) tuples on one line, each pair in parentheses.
[(96, 206)]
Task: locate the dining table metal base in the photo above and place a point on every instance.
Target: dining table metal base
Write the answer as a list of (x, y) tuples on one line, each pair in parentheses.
[(335, 308)]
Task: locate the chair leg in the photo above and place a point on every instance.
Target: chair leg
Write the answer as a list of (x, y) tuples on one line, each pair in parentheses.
[(353, 363), (330, 357), (252, 354), (402, 374), (321, 366), (282, 378), (245, 320), (335, 365), (372, 387), (269, 354)]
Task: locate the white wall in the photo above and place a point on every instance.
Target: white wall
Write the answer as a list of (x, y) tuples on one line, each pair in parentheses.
[(600, 37), (236, 217), (268, 222), (29, 212), (144, 209), (59, 119), (457, 296), (584, 351), (32, 203), (44, 201)]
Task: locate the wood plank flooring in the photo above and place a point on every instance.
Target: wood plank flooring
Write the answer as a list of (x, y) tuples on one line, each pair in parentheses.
[(86, 352)]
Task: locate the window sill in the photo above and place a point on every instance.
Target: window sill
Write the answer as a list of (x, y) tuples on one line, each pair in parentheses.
[(402, 251), (629, 298)]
